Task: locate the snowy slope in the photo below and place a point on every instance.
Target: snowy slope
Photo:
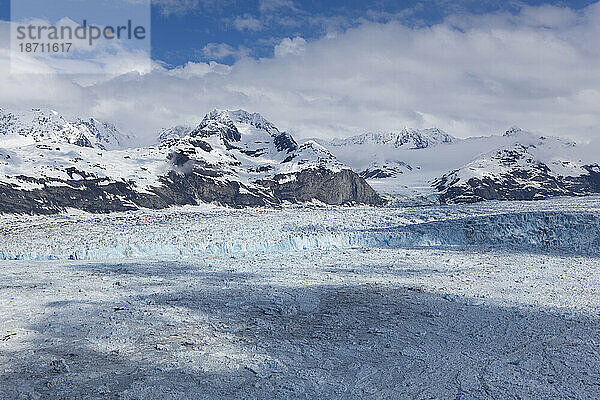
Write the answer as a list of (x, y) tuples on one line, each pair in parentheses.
[(408, 138), (395, 163), (232, 157), (531, 168), (398, 167), (258, 144), (444, 170), (175, 132), (48, 126)]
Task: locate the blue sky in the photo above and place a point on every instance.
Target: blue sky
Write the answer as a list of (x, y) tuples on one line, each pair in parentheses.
[(224, 30), (340, 68), (253, 27)]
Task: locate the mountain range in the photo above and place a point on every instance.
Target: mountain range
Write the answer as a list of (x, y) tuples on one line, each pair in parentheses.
[(430, 166), (49, 163)]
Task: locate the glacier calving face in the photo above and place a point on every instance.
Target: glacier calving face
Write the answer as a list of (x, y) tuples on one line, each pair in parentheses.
[(191, 233)]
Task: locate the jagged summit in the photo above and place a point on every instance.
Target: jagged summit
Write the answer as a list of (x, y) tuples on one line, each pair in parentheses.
[(512, 131), (230, 125), (247, 132), (102, 135), (48, 164), (218, 122), (175, 132), (38, 125), (253, 119), (407, 138)]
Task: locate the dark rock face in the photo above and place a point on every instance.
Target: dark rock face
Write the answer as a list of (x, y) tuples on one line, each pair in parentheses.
[(385, 170), (198, 186), (337, 188), (377, 173), (511, 186), (216, 124), (82, 141), (285, 142), (93, 195)]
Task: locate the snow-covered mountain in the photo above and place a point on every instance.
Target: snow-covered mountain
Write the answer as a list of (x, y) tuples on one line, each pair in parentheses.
[(398, 163), (515, 165), (257, 145), (531, 168), (232, 157), (175, 132), (48, 126), (408, 138), (49, 163)]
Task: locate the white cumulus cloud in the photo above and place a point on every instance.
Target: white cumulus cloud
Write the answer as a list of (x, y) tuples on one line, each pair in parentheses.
[(470, 75), (293, 46), (248, 23)]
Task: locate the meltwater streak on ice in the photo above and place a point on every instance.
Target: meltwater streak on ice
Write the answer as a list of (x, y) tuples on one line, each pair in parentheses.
[(566, 232)]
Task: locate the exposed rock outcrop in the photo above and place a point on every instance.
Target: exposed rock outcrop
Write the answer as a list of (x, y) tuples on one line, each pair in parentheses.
[(232, 158)]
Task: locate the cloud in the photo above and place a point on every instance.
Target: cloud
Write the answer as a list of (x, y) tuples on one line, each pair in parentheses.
[(191, 69), (220, 51), (266, 6), (100, 57), (175, 7), (289, 46), (469, 75), (247, 22)]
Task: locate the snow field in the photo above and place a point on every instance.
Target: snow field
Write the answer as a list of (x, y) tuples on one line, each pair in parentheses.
[(351, 324), (489, 301)]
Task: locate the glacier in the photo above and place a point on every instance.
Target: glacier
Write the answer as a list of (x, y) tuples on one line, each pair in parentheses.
[(479, 301), (190, 232)]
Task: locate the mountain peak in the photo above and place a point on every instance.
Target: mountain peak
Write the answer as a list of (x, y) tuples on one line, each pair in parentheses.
[(218, 122), (174, 132), (406, 138), (229, 124), (254, 119), (512, 131), (46, 125)]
